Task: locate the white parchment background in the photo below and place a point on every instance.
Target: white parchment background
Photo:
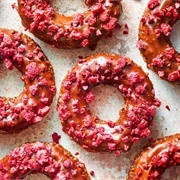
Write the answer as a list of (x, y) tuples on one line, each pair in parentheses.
[(106, 166)]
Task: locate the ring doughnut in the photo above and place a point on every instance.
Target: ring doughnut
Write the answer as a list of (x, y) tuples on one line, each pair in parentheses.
[(155, 159), (154, 38), (51, 159), (17, 49), (92, 133), (80, 30)]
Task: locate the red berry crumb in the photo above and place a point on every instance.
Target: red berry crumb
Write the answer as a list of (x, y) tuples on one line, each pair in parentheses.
[(126, 26), (151, 139), (77, 153), (118, 26), (168, 108), (13, 5), (56, 137), (125, 32), (80, 57), (92, 173)]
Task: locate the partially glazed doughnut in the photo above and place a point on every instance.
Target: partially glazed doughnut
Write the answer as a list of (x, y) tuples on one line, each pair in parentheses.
[(92, 133), (51, 159), (156, 158), (80, 30), (17, 49), (154, 38)]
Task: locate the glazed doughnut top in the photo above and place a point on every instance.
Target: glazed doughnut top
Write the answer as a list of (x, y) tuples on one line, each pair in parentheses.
[(154, 38), (91, 132), (50, 159), (156, 158), (80, 30)]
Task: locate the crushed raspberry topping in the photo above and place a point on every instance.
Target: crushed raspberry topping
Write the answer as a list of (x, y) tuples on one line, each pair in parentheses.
[(174, 76), (169, 53), (4, 172), (32, 70), (97, 8), (104, 16), (110, 24), (64, 113), (141, 45), (153, 3), (89, 97), (158, 61), (166, 29)]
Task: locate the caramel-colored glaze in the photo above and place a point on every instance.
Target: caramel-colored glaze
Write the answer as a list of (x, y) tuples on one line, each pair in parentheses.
[(145, 157), (156, 46), (48, 90), (77, 93), (59, 155), (65, 22)]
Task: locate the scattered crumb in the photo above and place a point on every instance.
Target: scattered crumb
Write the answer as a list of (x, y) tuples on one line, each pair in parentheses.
[(92, 173), (77, 153), (151, 139), (56, 137), (168, 108)]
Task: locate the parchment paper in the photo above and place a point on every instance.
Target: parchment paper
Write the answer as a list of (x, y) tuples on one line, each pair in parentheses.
[(108, 100)]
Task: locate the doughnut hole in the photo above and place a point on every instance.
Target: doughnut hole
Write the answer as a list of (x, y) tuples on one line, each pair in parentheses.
[(175, 36), (11, 84), (66, 7), (107, 103), (170, 172), (37, 176)]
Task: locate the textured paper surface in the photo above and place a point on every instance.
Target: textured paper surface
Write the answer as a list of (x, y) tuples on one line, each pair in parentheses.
[(108, 101)]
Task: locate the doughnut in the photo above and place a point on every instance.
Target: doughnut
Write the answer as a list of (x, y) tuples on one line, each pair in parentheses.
[(20, 51), (154, 38), (70, 32), (156, 158), (91, 132), (51, 159)]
